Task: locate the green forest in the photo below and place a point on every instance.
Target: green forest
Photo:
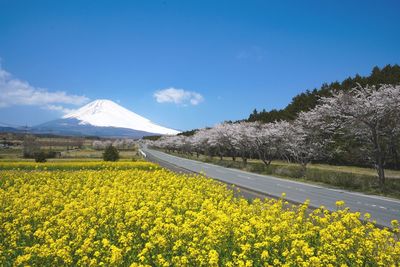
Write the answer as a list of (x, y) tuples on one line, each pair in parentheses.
[(390, 74)]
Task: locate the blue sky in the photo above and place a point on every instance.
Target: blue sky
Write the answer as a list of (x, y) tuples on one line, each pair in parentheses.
[(237, 55)]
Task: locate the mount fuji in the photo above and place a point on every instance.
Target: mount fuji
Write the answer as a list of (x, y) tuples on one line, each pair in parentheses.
[(103, 118)]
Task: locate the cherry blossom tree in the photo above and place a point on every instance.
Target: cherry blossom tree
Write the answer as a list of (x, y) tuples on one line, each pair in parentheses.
[(199, 142), (371, 114), (267, 140), (307, 137), (220, 140), (99, 145), (242, 139)]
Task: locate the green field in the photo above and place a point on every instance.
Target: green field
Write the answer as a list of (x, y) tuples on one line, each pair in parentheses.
[(74, 148)]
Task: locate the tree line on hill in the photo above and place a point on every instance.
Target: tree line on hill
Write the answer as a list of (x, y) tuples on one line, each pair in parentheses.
[(390, 74)]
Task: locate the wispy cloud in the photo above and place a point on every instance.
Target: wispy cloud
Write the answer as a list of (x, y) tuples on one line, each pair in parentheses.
[(59, 108), (252, 53), (14, 92), (178, 96)]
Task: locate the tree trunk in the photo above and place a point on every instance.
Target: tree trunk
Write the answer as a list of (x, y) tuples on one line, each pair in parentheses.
[(266, 162), (262, 157), (379, 158), (396, 164), (381, 175), (396, 160), (303, 169), (244, 159)]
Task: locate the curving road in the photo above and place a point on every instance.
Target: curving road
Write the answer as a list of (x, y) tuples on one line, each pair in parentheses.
[(382, 209)]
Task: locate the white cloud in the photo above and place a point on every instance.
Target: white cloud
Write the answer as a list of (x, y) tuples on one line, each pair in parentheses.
[(18, 92), (59, 108), (178, 96)]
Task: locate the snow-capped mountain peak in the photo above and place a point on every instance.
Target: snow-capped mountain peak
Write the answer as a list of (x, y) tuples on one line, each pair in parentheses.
[(106, 113)]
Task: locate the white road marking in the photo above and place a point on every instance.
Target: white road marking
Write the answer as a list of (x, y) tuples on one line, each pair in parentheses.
[(246, 177)]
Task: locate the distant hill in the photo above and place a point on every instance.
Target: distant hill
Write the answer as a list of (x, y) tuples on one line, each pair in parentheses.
[(309, 99), (8, 129)]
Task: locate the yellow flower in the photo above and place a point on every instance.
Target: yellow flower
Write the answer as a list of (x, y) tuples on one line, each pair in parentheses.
[(340, 203), (213, 258), (116, 255), (101, 214)]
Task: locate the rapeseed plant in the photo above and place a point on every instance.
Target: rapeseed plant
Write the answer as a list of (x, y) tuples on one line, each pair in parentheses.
[(142, 217)]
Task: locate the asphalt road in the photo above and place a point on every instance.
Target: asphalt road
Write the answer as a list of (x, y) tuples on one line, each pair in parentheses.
[(382, 209)]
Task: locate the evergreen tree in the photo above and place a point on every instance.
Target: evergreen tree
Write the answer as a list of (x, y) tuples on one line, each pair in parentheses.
[(308, 100), (40, 156), (111, 154)]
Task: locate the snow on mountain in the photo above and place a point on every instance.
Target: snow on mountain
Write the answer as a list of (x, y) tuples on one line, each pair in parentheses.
[(106, 113)]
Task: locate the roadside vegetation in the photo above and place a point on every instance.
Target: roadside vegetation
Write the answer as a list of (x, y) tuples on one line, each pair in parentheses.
[(104, 214), (353, 178)]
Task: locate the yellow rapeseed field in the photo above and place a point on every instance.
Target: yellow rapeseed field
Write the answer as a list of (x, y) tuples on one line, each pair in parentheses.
[(153, 217)]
